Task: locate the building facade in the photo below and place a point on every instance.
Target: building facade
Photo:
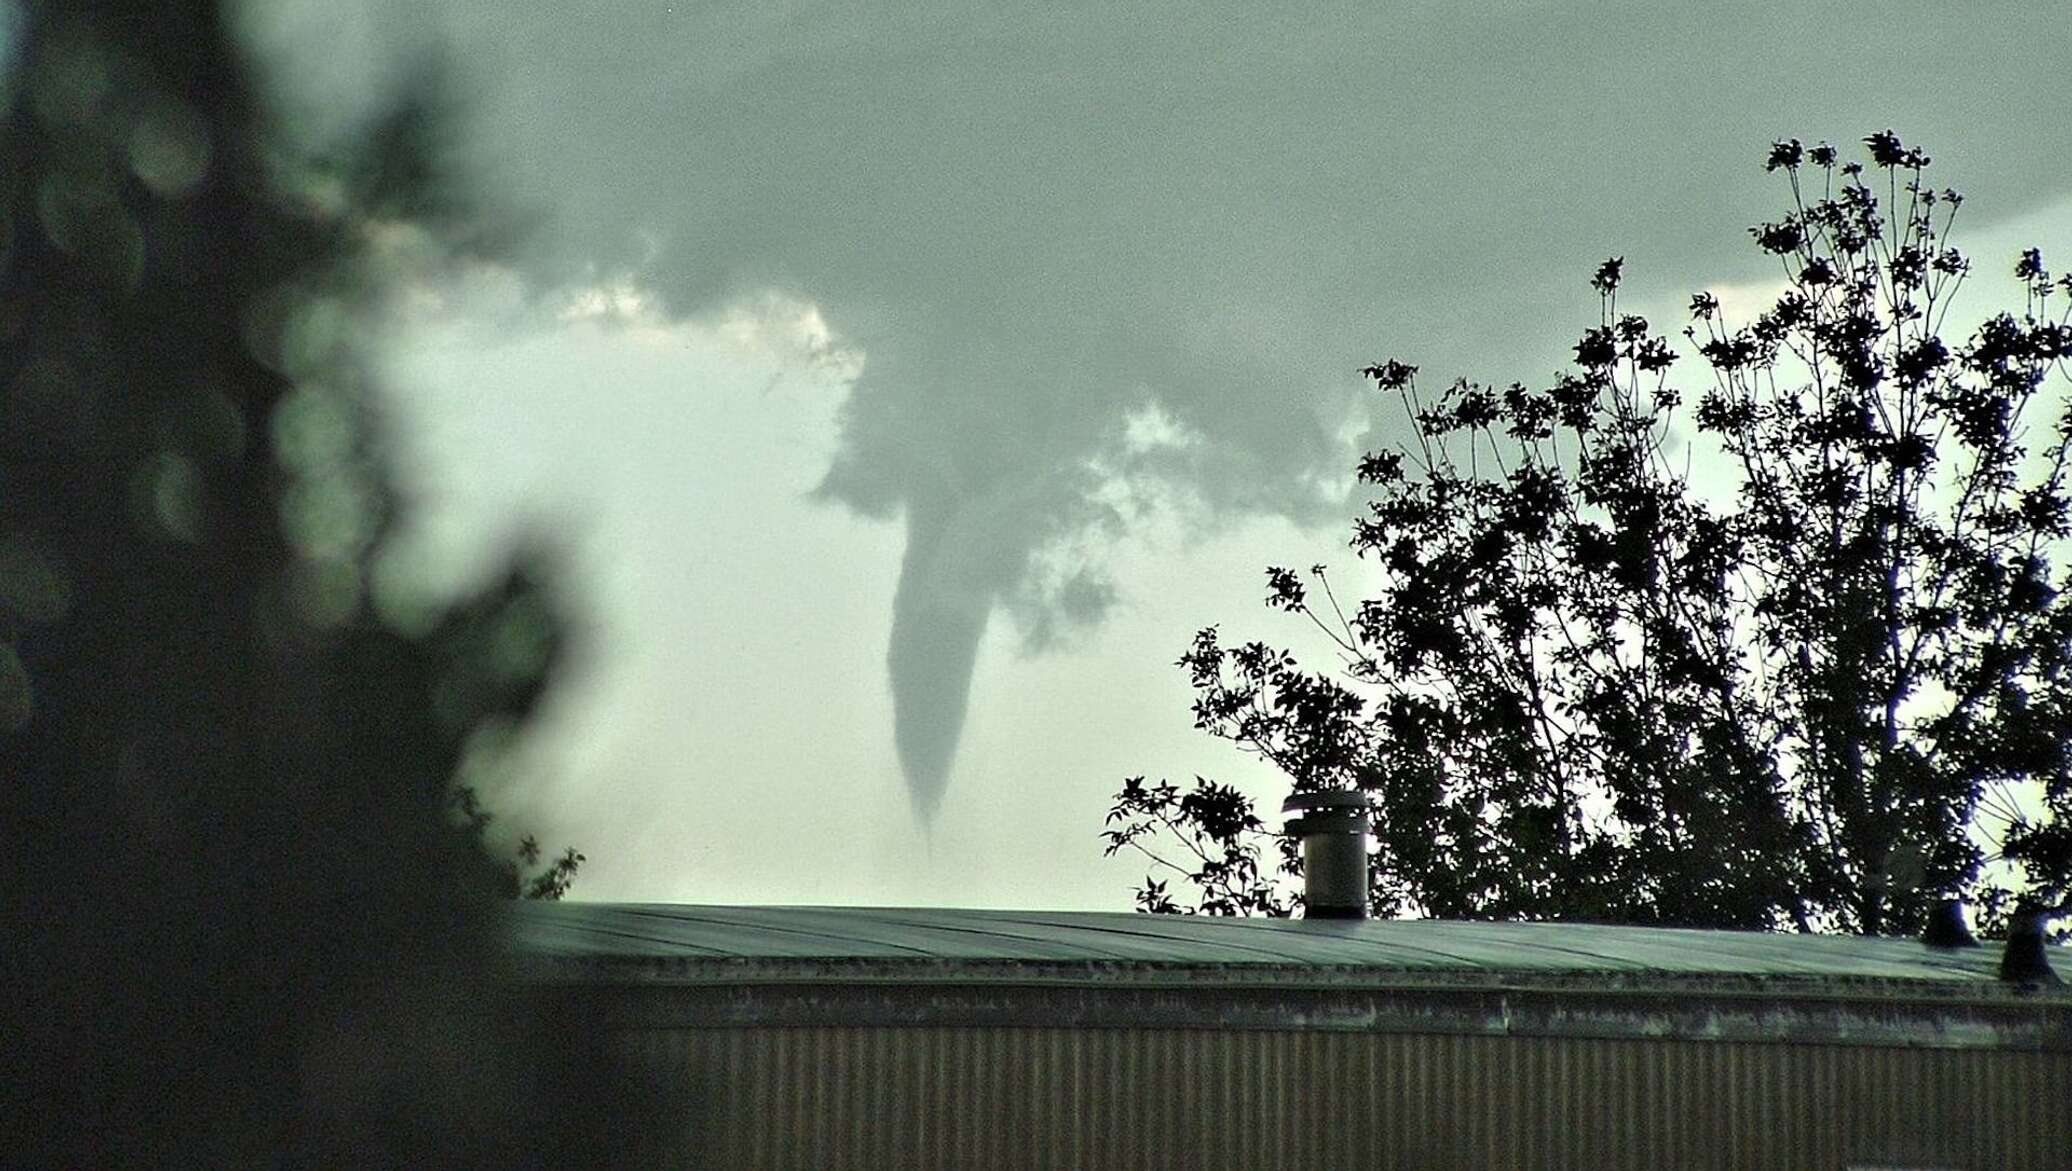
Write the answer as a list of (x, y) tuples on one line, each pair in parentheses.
[(863, 1037)]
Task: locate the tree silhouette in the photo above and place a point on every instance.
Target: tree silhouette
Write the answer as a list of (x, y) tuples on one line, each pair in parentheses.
[(249, 915), (1792, 653)]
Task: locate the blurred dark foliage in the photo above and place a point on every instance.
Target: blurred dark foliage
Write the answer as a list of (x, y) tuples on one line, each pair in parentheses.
[(250, 919), (1586, 690)]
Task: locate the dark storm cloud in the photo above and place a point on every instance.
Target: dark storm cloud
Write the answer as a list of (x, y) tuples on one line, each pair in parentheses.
[(1039, 222)]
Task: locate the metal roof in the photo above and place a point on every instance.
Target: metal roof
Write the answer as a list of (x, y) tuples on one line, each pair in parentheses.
[(741, 939), (659, 966)]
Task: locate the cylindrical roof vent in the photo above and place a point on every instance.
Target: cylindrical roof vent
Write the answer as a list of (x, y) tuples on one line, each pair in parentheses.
[(1332, 825), (1946, 928), (2025, 961)]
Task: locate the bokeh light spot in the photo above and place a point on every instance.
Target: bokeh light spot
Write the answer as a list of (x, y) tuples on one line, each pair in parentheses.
[(30, 586), (312, 431), (168, 487), (328, 518), (313, 335), (205, 425), (298, 332), (169, 149)]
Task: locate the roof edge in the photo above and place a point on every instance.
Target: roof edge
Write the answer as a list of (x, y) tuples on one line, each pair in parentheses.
[(1916, 1014)]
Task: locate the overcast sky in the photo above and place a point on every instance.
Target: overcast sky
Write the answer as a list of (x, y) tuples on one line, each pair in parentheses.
[(909, 385)]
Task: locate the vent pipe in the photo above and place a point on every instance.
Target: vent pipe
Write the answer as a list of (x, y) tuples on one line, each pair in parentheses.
[(1946, 928), (2026, 961), (1332, 826)]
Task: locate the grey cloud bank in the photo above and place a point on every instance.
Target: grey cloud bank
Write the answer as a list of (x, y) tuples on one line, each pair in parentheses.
[(1040, 225)]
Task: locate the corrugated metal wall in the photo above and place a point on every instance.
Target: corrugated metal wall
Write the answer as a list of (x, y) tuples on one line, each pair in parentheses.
[(1185, 1098)]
